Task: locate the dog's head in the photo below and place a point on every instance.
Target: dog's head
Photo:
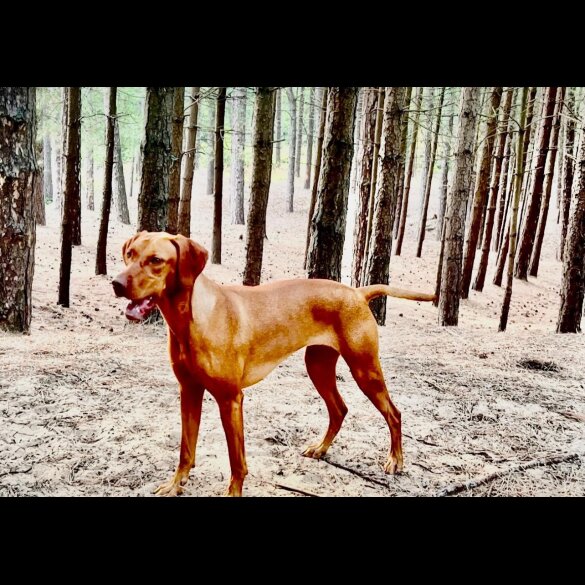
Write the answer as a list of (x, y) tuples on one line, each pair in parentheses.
[(158, 265)]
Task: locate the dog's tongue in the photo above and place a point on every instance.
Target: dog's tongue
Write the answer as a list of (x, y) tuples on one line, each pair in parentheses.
[(139, 310)]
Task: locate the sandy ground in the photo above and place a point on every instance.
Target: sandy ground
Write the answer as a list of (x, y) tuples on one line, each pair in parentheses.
[(89, 404)]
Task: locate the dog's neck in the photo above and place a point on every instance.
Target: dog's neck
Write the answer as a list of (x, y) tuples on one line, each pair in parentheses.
[(187, 308)]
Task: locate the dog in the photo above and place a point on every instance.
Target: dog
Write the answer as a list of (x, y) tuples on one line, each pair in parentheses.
[(224, 338)]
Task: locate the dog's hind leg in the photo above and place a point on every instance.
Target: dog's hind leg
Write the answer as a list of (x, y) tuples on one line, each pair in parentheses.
[(366, 370), (321, 361)]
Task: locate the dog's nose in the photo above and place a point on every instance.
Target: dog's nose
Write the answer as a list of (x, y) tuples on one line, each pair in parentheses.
[(119, 284)]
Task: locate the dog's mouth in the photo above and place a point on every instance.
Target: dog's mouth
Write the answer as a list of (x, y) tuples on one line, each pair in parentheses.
[(140, 309)]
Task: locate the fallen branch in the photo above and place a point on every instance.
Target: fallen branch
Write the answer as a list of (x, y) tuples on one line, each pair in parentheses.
[(424, 441), (297, 490), (473, 483), (571, 415), (355, 472)]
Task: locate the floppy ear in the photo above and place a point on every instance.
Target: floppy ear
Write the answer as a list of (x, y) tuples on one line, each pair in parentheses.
[(191, 260), (129, 242)]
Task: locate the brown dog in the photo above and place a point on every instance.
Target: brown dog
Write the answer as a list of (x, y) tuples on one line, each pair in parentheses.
[(225, 338)]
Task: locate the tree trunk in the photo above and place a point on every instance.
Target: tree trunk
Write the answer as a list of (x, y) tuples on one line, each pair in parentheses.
[(503, 191), (264, 115), (568, 169), (17, 223), (573, 283), (380, 247), (368, 132), (329, 218), (238, 144), (514, 217), (38, 197), (178, 120), (119, 181), (429, 177), (100, 262), (548, 182), (75, 210), (210, 171), (456, 208), (218, 180), (300, 131), (47, 170), (292, 103), (375, 161), (357, 140), (57, 190), (71, 195), (310, 137), (493, 192), (278, 137), (445, 174), (529, 224), (403, 147), (429, 102), (409, 172), (89, 188), (156, 153), (322, 100), (131, 178), (184, 226), (481, 191)]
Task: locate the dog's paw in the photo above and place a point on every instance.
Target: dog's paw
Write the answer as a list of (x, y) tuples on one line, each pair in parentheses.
[(314, 451), (393, 466), (170, 488)]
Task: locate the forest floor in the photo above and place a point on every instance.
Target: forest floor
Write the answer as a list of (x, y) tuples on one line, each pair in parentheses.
[(89, 404)]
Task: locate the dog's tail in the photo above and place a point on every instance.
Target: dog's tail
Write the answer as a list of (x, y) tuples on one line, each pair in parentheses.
[(377, 290)]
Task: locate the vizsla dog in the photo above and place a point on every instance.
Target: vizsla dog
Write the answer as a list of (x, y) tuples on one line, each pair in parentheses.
[(225, 338)]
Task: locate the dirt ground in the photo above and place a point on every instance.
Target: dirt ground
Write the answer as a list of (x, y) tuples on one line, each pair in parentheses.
[(89, 404)]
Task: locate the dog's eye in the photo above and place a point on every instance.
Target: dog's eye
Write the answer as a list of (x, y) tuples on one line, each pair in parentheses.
[(155, 260)]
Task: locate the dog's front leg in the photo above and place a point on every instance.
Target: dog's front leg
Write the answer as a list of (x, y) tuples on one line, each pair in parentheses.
[(191, 403), (232, 418)]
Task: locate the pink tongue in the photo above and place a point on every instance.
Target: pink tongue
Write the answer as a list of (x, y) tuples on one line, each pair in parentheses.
[(139, 310)]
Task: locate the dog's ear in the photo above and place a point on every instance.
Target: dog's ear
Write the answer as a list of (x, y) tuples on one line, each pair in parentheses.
[(191, 260), (129, 242)]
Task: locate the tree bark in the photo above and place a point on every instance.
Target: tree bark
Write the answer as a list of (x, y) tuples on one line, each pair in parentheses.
[(218, 180), (89, 188), (364, 172), (568, 169), (238, 144), (100, 262), (264, 115), (178, 120), (300, 131), (456, 209), (429, 101), (47, 170), (514, 217), (329, 218), (278, 137), (573, 283), (38, 196), (503, 192), (548, 182), (529, 225), (493, 192), (119, 181), (71, 196), (445, 174), (184, 226), (17, 223), (404, 147), (292, 103), (156, 153), (310, 133), (380, 246), (481, 191), (372, 202), (429, 177), (409, 172), (322, 100)]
